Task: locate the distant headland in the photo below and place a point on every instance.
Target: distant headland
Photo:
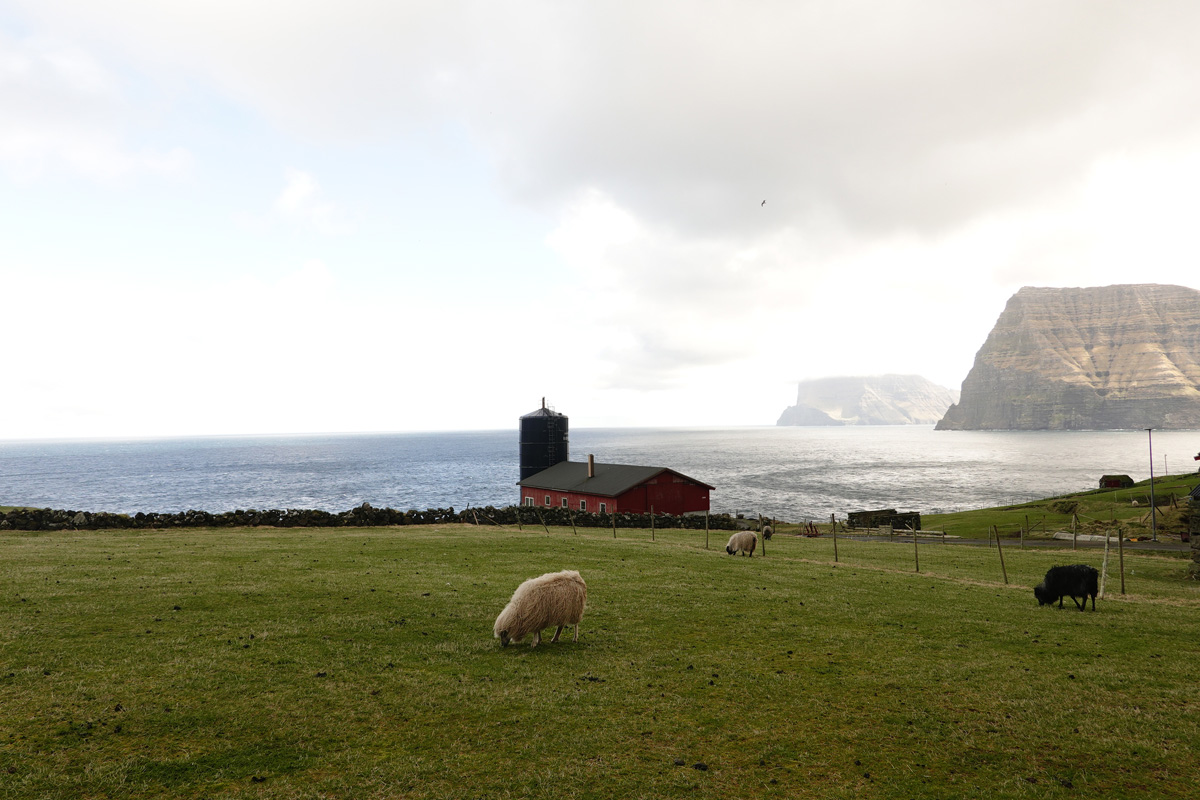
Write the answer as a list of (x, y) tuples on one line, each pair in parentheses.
[(1098, 358)]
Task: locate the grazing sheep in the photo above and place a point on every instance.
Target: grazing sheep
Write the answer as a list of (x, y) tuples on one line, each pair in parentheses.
[(767, 531), (556, 598), (1074, 581), (742, 541)]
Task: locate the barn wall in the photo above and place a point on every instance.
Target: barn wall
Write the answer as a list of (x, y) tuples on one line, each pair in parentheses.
[(573, 500), (666, 494)]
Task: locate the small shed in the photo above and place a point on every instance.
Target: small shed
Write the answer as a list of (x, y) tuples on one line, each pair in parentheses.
[(613, 488), (1115, 481)]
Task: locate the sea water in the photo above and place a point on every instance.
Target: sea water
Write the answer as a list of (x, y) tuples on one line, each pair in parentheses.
[(789, 473)]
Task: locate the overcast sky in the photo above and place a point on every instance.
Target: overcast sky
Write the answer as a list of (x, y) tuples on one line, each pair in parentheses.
[(251, 216)]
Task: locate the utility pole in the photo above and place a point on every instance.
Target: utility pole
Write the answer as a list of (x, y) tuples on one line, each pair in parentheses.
[(1153, 508)]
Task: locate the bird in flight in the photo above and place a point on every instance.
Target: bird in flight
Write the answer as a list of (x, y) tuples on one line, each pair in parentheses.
[(764, 202)]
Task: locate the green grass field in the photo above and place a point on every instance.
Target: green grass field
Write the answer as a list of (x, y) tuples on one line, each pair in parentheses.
[(1091, 511), (360, 663)]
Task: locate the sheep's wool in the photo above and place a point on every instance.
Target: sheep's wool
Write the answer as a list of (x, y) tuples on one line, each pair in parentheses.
[(556, 598)]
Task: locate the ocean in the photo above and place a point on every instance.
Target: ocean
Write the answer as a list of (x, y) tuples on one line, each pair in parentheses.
[(794, 474)]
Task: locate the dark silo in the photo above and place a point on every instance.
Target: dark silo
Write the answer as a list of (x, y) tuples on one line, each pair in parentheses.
[(543, 440)]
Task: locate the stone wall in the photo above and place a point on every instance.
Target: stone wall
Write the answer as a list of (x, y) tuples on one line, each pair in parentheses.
[(47, 519)]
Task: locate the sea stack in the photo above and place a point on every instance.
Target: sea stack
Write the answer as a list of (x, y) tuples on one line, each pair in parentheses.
[(868, 400), (1095, 358)]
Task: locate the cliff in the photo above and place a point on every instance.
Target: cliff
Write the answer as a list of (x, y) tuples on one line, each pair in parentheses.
[(875, 400), (1099, 358)]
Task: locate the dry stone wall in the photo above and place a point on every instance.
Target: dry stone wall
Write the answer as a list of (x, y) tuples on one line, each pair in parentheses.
[(47, 519)]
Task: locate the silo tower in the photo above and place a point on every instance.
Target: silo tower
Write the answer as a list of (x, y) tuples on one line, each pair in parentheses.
[(543, 440)]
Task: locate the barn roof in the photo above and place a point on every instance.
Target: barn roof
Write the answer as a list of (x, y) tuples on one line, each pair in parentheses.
[(611, 480)]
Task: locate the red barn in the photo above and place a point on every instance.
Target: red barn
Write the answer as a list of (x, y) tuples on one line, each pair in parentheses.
[(614, 488)]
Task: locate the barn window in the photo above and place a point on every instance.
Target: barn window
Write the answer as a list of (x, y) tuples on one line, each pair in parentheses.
[(564, 502), (547, 499), (528, 501), (583, 505), (603, 508)]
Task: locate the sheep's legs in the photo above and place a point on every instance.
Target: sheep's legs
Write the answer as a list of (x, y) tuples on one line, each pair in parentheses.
[(1076, 602), (576, 632), (537, 638), (557, 631)]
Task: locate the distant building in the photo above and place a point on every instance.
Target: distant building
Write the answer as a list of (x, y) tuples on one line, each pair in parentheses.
[(1115, 481), (548, 478), (615, 488)]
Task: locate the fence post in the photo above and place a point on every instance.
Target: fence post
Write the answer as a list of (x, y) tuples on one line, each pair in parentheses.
[(706, 529), (835, 553), (1104, 566), (1000, 551), (652, 523), (762, 534), (519, 519), (1120, 558), (571, 517), (543, 519), (916, 554)]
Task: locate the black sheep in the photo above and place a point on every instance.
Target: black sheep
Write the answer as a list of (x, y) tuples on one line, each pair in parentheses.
[(1074, 581)]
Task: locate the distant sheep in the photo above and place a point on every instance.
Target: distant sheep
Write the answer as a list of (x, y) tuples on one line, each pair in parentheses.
[(767, 531), (556, 598), (742, 541), (1074, 581)]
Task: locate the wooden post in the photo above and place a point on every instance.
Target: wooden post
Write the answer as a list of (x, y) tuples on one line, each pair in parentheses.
[(835, 554), (1000, 551), (652, 523), (1024, 529), (543, 519), (519, 519), (706, 530), (614, 522), (1121, 557), (476, 516), (1104, 566), (1074, 531), (571, 517), (916, 554), (762, 535)]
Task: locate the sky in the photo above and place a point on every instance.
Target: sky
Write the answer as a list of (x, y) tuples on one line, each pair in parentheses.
[(225, 218)]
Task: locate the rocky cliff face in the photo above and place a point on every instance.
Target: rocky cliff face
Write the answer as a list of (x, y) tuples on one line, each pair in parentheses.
[(875, 400), (1098, 358)]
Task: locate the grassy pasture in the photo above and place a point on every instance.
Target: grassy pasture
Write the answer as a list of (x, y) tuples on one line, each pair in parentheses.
[(1095, 510), (359, 663)]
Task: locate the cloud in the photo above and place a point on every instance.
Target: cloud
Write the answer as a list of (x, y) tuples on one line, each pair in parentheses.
[(65, 112), (301, 202), (885, 117), (919, 162)]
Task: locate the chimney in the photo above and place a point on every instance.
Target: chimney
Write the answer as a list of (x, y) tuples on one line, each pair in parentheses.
[(591, 466)]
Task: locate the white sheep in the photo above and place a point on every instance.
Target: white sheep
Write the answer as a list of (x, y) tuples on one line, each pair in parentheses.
[(742, 541), (556, 598)]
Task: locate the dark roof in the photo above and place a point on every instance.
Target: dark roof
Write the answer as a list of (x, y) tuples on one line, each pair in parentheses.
[(611, 479), (1195, 492), (542, 412)]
